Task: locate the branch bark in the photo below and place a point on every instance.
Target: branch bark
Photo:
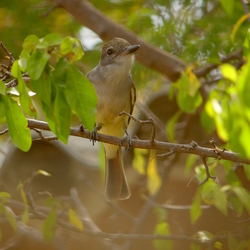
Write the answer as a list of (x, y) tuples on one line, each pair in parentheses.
[(192, 148)]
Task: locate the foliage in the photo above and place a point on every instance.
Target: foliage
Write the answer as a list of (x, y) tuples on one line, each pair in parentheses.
[(199, 32)]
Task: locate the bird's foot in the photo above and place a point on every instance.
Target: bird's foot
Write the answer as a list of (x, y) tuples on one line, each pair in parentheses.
[(94, 135), (127, 138)]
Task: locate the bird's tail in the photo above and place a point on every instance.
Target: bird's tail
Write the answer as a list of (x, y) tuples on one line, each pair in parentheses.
[(116, 181)]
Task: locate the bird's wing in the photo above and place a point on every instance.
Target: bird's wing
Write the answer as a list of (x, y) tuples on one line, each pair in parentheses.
[(132, 99)]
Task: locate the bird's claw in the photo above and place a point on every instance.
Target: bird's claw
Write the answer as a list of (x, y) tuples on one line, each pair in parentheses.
[(94, 135), (127, 138)]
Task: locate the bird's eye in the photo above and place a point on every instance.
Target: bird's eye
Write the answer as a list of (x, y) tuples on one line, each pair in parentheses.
[(109, 52)]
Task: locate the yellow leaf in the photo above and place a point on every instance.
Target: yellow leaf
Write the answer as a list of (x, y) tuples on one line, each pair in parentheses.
[(154, 179), (139, 160), (237, 25), (75, 220)]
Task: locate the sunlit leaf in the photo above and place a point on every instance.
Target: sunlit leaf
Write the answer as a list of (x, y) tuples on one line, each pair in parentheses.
[(229, 72), (49, 226), (239, 22), (4, 195), (154, 179), (139, 162), (30, 43), (11, 219), (17, 125), (243, 195), (195, 211), (42, 172), (190, 163), (75, 220), (36, 64), (228, 6), (67, 45), (162, 229), (53, 39), (25, 99)]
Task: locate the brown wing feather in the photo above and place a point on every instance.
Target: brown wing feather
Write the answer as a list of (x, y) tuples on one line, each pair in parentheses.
[(132, 99)]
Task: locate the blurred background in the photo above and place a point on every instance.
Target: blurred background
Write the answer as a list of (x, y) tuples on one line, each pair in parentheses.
[(194, 31)]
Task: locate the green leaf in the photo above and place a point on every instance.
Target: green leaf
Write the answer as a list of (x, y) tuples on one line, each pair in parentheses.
[(2, 88), (53, 39), (36, 64), (5, 195), (30, 43), (11, 219), (220, 199), (162, 229), (75, 220), (17, 125), (228, 6), (194, 246), (25, 99), (191, 159), (170, 127), (25, 216), (195, 211), (67, 45), (236, 204), (49, 226), (62, 115), (243, 196), (81, 96), (207, 122), (229, 72)]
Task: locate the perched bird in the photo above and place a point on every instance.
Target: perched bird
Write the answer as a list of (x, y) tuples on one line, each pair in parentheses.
[(116, 92)]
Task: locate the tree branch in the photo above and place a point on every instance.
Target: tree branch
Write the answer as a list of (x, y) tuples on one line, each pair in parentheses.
[(149, 56), (192, 148)]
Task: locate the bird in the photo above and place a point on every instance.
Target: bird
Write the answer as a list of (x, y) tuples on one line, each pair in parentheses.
[(116, 92)]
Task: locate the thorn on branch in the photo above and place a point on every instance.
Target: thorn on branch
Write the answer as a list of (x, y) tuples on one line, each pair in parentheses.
[(42, 137), (217, 150), (171, 152), (149, 121)]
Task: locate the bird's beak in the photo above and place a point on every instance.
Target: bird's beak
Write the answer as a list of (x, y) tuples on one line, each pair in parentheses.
[(130, 50)]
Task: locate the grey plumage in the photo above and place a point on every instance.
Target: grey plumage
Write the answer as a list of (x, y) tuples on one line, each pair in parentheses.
[(115, 90)]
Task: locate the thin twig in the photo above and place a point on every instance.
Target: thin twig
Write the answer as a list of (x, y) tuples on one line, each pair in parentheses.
[(208, 175), (42, 137), (149, 121)]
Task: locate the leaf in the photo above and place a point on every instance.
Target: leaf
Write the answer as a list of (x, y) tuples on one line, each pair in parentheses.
[(139, 162), (30, 43), (236, 204), (154, 179), (62, 115), (2, 88), (204, 236), (232, 242), (25, 99), (170, 127), (243, 196), (81, 96), (229, 72), (75, 220), (228, 6), (194, 83), (11, 219), (42, 172), (195, 211), (25, 216), (17, 125), (162, 229), (238, 24), (36, 64), (67, 45), (49, 226), (191, 159), (53, 39), (5, 195), (42, 86), (220, 199)]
